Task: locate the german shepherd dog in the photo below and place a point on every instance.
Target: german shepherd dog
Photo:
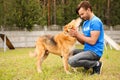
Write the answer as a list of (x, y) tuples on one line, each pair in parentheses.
[(61, 44)]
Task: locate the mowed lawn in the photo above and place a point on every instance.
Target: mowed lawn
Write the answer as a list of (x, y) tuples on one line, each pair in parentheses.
[(17, 65)]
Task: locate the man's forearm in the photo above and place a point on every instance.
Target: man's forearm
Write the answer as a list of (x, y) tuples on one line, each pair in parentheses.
[(78, 39)]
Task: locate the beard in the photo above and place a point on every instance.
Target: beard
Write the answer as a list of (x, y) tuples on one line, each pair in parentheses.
[(86, 18)]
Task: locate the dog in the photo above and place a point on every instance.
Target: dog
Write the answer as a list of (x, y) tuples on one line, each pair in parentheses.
[(60, 44)]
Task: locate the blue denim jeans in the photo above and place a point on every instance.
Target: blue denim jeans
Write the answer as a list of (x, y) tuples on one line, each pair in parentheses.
[(82, 58)]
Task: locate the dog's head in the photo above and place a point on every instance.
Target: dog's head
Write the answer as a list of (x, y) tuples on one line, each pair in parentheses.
[(74, 24)]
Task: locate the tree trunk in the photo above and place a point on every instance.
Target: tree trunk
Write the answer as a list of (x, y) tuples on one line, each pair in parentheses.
[(48, 12), (64, 10), (4, 16), (54, 11), (108, 12)]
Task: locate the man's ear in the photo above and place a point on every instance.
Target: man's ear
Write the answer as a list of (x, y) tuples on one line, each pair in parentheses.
[(89, 9)]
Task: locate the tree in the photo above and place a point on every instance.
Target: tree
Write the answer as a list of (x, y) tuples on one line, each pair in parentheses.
[(49, 13), (26, 13), (54, 12), (115, 12), (1, 12)]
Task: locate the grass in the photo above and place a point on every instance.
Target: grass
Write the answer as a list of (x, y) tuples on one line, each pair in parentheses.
[(17, 65)]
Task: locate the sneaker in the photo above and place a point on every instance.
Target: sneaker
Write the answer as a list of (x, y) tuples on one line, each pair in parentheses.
[(96, 69)]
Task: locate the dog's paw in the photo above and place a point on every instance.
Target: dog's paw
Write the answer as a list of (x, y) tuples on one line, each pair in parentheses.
[(67, 72), (39, 71), (31, 54)]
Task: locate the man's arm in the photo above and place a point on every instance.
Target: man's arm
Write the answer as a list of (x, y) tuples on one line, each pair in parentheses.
[(82, 38), (79, 40)]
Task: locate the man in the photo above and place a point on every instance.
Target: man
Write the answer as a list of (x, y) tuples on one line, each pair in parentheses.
[(92, 38)]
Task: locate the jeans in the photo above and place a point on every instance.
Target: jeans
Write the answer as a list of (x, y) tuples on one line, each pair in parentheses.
[(82, 58)]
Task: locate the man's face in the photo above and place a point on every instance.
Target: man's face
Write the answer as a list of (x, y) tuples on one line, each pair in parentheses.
[(84, 14)]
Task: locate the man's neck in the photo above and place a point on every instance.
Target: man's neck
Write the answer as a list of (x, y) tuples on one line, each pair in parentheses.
[(91, 16)]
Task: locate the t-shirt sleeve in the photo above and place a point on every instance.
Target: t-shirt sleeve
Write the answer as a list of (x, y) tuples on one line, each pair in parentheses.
[(95, 26)]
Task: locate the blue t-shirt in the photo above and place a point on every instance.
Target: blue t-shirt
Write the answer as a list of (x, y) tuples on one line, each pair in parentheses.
[(95, 24)]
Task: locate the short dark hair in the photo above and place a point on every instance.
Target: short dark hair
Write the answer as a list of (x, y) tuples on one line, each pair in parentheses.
[(85, 5)]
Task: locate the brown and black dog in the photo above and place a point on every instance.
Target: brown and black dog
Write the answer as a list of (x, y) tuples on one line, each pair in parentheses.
[(61, 44)]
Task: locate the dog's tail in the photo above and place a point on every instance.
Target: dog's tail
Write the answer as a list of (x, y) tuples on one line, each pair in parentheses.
[(32, 54)]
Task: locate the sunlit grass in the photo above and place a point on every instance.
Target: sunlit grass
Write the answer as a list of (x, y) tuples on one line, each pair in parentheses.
[(17, 65)]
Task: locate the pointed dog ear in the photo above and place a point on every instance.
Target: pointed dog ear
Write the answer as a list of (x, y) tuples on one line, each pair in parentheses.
[(77, 22), (74, 24), (65, 28), (68, 27)]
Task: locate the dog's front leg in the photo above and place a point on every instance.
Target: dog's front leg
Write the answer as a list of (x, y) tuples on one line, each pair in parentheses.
[(65, 63), (39, 61)]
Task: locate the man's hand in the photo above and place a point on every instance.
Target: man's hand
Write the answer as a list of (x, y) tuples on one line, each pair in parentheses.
[(73, 32), (77, 35)]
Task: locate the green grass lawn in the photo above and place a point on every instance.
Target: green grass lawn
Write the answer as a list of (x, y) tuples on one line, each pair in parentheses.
[(17, 65)]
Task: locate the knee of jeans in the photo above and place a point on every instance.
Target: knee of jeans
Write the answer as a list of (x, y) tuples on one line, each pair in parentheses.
[(71, 62)]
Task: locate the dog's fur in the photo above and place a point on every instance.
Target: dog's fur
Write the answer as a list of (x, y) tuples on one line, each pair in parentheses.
[(60, 44)]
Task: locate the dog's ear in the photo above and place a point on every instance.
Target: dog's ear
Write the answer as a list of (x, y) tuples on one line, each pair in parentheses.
[(77, 22), (69, 26), (65, 28), (74, 24)]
